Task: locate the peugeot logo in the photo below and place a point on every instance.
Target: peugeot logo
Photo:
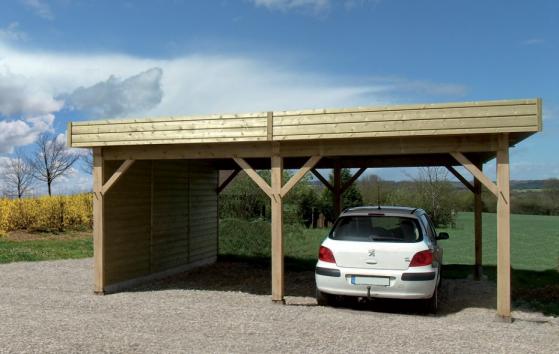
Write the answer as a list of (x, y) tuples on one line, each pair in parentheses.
[(371, 252)]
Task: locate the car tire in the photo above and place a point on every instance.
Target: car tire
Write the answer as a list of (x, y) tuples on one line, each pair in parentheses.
[(323, 299), (432, 304)]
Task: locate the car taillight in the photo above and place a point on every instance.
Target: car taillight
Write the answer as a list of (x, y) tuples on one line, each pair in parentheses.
[(326, 255), (422, 258)]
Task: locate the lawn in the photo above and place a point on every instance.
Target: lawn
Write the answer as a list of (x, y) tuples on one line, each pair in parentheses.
[(22, 246)]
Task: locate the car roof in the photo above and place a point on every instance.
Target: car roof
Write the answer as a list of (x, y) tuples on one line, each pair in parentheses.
[(393, 210)]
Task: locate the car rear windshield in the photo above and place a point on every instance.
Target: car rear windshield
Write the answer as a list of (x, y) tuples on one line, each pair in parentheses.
[(377, 228)]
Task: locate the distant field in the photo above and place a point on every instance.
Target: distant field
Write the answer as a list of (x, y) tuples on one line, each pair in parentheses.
[(534, 240)]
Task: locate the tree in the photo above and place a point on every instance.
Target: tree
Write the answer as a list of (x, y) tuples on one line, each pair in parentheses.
[(350, 198), (52, 159), (18, 175), (435, 194), (87, 162)]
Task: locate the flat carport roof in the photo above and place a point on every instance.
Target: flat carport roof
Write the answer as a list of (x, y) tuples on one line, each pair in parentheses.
[(452, 134)]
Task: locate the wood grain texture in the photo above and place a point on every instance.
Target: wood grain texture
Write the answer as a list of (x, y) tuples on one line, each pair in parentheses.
[(465, 118), (503, 230)]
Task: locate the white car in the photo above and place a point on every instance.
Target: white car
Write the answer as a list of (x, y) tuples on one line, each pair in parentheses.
[(384, 252)]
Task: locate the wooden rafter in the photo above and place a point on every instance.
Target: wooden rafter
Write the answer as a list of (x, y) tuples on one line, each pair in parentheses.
[(353, 179), (474, 170), (322, 179), (311, 162), (461, 178), (228, 180), (116, 176), (254, 176)]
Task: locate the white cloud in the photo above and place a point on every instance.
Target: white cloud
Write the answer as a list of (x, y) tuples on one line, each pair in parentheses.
[(40, 7), (116, 97), (533, 41), (285, 5), (12, 33), (20, 95), (22, 132)]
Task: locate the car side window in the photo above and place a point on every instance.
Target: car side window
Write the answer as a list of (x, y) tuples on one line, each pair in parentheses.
[(431, 233)]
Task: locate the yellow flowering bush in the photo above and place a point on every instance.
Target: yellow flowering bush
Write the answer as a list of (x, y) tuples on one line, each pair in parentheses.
[(46, 213)]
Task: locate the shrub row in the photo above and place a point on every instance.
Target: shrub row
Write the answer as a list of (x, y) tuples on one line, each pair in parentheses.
[(56, 213)]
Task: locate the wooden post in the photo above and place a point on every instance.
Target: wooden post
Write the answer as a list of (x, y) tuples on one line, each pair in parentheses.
[(478, 209), (277, 230), (503, 230), (337, 189), (98, 234)]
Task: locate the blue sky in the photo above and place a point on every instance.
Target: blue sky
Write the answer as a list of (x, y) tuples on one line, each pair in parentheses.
[(77, 59)]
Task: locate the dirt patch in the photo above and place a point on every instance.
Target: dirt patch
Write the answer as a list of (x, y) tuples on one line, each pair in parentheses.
[(23, 235)]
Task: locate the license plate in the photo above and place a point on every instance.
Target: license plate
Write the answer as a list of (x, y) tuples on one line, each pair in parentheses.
[(379, 281)]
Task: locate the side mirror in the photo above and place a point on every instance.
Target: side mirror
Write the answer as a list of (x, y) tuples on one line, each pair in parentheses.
[(443, 236)]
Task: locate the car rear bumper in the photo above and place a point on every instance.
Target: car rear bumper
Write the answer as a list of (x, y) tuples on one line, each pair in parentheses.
[(413, 283)]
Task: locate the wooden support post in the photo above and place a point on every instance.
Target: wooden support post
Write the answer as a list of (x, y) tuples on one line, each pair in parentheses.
[(503, 230), (228, 180), (337, 189), (461, 178), (322, 179), (475, 171), (277, 230), (116, 176), (478, 209), (98, 230), (352, 179)]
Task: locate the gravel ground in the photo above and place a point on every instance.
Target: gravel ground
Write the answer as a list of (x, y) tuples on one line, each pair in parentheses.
[(50, 307)]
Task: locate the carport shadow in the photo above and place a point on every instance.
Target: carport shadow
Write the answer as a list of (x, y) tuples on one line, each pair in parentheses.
[(252, 275)]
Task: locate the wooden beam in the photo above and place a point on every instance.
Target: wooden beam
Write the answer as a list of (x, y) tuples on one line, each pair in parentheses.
[(353, 179), (98, 230), (254, 176), (337, 188), (116, 176), (228, 180), (475, 171), (270, 126), (277, 230), (311, 162), (503, 230), (478, 218), (338, 147), (461, 178), (322, 179)]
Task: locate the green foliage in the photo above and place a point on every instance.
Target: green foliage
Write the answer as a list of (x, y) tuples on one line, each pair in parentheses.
[(42, 250), (243, 199), (430, 191), (350, 198)]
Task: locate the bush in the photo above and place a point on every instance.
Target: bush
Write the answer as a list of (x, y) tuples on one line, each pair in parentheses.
[(56, 213)]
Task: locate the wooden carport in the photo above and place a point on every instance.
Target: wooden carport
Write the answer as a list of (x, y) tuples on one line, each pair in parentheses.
[(173, 162)]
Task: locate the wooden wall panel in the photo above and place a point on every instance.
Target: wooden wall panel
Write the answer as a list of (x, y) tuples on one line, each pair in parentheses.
[(203, 211), (127, 223), (169, 246), (161, 215)]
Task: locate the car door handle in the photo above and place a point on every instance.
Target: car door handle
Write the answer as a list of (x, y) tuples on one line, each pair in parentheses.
[(371, 262)]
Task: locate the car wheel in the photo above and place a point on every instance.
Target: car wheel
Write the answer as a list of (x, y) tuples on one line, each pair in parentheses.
[(432, 304), (323, 299)]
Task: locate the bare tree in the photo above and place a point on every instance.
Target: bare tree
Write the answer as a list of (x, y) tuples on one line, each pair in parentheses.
[(87, 162), (52, 159), (18, 175)]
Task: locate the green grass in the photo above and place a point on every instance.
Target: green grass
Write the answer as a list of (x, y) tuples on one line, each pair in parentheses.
[(534, 241), (534, 252), (47, 249)]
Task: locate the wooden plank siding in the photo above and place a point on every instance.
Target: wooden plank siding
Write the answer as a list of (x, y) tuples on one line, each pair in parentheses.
[(161, 215), (484, 117)]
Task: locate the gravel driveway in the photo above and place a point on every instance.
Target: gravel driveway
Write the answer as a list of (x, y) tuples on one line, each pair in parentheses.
[(50, 307)]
